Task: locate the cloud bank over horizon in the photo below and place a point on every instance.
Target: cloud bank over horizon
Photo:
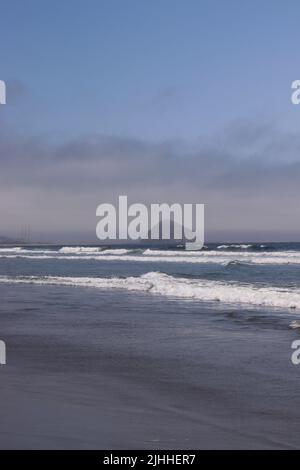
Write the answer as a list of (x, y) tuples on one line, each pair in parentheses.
[(247, 175)]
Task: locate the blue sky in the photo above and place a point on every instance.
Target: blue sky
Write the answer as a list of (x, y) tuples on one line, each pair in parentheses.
[(158, 69), (102, 90)]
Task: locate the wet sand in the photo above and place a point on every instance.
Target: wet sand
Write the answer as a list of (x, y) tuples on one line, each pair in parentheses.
[(125, 379)]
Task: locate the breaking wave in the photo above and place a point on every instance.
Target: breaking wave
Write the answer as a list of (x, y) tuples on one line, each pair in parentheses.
[(190, 289), (225, 247), (224, 257), (92, 250), (11, 250), (252, 246), (79, 249)]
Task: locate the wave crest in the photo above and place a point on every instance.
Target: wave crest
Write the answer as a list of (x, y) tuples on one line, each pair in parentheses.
[(166, 285)]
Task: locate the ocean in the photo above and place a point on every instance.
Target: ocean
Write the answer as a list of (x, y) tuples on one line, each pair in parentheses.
[(245, 276), (130, 347)]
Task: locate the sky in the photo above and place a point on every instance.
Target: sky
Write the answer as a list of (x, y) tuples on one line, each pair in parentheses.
[(165, 101)]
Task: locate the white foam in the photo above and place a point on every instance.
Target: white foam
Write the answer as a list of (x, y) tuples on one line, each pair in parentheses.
[(93, 250), (163, 284), (11, 250), (79, 249), (28, 251), (116, 251), (161, 256), (225, 247), (165, 259), (183, 253)]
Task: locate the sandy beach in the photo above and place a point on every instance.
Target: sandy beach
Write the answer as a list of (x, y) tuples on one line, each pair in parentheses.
[(117, 377)]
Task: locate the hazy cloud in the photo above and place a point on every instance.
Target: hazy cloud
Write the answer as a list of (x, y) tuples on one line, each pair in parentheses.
[(248, 177)]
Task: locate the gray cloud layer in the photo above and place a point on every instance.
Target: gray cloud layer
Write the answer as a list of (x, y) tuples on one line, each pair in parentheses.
[(247, 175)]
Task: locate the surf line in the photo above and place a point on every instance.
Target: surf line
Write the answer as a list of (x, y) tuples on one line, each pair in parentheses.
[(2, 92)]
